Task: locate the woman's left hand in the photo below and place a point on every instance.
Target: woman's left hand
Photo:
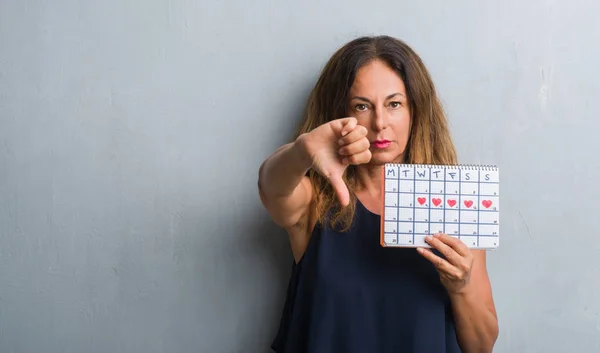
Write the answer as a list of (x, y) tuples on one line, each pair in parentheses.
[(455, 267)]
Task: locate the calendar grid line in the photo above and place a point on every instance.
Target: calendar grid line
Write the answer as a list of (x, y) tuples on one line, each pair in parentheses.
[(414, 202), (398, 222), (475, 182), (459, 200), (447, 208), (427, 222), (423, 235), (478, 203), (410, 193), (444, 202), (398, 213), (429, 213)]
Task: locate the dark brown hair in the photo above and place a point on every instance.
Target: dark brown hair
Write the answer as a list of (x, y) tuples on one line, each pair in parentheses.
[(429, 140)]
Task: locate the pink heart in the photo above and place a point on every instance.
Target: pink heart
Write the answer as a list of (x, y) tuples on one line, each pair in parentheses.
[(486, 203), (421, 200), (468, 203), (451, 203), (436, 201)]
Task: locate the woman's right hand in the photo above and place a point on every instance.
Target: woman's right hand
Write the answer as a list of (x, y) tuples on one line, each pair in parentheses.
[(335, 145)]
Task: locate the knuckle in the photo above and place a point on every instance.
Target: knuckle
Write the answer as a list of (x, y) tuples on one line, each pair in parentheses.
[(346, 139), (365, 157), (357, 158), (447, 252)]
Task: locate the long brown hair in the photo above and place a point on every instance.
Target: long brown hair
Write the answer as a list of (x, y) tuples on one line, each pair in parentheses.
[(429, 140)]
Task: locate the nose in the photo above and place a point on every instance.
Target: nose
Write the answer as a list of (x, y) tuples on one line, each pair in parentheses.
[(381, 119)]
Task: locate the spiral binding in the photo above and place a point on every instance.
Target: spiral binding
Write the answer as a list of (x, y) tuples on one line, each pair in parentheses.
[(486, 167)]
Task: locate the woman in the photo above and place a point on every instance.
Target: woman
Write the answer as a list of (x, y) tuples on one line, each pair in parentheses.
[(374, 103)]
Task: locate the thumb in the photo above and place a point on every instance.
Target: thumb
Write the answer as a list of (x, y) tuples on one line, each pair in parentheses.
[(341, 189)]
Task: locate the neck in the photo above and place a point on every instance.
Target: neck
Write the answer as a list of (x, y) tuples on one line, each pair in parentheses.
[(369, 179)]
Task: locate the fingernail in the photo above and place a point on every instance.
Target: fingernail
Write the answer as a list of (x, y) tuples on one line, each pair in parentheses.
[(341, 142), (428, 238)]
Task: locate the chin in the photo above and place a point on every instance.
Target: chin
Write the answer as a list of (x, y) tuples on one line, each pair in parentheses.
[(382, 157)]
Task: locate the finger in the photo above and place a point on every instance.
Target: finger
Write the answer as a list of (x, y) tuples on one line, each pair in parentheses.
[(438, 262), (341, 190), (355, 147), (458, 245), (451, 256), (348, 124), (358, 158), (357, 133)]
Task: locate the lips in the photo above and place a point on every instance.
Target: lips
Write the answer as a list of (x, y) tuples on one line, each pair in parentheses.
[(381, 143)]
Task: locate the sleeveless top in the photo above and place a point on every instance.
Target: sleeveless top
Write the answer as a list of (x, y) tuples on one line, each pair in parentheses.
[(348, 294)]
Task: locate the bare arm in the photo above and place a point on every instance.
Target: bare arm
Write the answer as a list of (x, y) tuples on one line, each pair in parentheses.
[(284, 189), (463, 272), (474, 311)]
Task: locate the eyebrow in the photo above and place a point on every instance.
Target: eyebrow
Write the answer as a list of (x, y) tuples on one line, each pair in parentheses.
[(388, 97)]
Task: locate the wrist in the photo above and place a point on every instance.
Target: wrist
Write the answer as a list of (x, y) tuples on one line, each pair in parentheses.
[(301, 152), (466, 293)]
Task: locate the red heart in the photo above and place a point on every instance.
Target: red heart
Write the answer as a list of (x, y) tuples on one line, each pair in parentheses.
[(451, 203), (486, 203), (436, 201), (421, 200), (468, 203)]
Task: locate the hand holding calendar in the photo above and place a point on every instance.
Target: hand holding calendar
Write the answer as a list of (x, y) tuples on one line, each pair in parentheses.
[(455, 265), (335, 145)]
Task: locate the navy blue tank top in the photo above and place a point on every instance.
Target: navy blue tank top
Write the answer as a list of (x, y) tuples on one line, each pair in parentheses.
[(348, 294)]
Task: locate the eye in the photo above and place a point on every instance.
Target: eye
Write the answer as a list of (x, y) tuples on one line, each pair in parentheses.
[(395, 105), (361, 107)]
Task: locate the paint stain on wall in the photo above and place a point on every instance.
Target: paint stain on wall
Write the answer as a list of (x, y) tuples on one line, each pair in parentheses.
[(544, 95)]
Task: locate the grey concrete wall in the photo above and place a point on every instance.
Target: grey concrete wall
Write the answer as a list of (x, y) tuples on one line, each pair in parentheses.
[(131, 133)]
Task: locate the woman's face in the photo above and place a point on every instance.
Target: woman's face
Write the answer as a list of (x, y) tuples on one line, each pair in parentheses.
[(379, 102)]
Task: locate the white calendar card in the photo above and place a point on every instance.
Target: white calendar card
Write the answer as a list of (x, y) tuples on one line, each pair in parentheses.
[(462, 201)]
